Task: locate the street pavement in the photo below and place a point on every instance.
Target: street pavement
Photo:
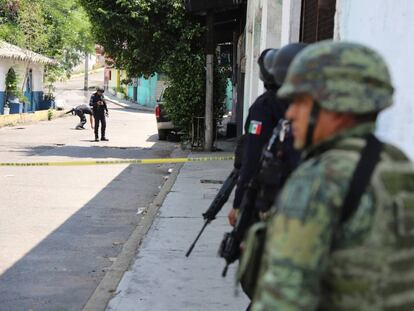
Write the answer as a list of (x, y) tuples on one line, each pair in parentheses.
[(161, 277), (61, 228)]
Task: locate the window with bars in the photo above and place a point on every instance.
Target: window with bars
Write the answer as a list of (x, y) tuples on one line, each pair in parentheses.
[(317, 20)]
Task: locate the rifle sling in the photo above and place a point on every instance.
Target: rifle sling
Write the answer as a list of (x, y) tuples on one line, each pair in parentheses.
[(370, 156)]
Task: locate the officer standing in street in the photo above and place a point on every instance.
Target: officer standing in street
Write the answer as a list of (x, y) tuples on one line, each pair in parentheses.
[(342, 235), (100, 112), (263, 116), (80, 111)]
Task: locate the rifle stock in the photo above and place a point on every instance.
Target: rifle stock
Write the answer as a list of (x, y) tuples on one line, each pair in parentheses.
[(230, 246), (196, 240)]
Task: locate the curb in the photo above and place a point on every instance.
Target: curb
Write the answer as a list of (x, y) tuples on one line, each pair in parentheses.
[(107, 287), (29, 118), (136, 107)]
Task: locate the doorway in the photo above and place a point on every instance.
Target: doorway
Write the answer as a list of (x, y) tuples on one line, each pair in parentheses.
[(29, 92)]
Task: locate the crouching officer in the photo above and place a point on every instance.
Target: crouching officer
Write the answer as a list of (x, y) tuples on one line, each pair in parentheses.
[(263, 116), (342, 236), (80, 111), (100, 112)]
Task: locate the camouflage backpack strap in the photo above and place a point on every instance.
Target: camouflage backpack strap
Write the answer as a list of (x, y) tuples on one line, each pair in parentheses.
[(370, 156)]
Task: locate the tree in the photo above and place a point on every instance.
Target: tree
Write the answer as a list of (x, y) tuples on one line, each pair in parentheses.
[(58, 29), (144, 37), (140, 35)]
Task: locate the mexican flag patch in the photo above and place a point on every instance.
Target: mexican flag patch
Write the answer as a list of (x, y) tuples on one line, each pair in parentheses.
[(255, 127)]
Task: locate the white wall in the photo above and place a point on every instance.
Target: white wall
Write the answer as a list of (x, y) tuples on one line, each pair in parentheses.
[(290, 21), (250, 90), (4, 68), (388, 27), (37, 78), (20, 70), (263, 30)]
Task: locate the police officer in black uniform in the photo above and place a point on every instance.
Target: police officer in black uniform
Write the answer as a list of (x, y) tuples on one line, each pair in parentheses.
[(80, 111), (263, 116), (100, 112)]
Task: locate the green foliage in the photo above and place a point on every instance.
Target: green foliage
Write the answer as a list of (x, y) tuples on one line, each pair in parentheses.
[(122, 89), (55, 28), (11, 82), (50, 114), (140, 35), (186, 93), (12, 90), (146, 36)]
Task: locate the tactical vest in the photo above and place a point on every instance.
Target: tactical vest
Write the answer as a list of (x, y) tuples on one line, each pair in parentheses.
[(377, 273)]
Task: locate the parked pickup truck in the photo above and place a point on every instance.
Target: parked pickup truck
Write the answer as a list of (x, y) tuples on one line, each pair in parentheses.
[(164, 124)]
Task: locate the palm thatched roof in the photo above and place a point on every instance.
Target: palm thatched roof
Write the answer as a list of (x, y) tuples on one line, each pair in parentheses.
[(10, 51)]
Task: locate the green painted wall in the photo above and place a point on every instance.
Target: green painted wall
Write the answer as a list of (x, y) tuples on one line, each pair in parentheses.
[(229, 95), (146, 91)]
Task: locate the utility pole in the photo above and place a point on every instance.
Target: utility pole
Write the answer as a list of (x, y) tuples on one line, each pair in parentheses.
[(85, 84), (208, 143)]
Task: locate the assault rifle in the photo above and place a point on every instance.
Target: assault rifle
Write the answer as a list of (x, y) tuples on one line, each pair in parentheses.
[(217, 204), (260, 193)]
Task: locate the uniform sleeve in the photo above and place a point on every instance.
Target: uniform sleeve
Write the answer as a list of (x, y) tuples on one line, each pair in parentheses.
[(297, 244), (259, 126), (238, 152), (105, 106)]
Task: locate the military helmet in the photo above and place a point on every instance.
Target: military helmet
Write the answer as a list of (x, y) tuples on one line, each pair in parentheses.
[(283, 60), (341, 77), (265, 62)]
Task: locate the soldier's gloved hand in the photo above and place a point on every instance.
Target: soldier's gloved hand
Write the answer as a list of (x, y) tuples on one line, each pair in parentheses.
[(107, 114), (232, 216)]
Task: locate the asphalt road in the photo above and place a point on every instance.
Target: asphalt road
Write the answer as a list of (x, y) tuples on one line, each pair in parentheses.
[(61, 228)]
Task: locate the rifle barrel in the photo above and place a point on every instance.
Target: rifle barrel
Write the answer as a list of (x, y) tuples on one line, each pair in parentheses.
[(217, 204), (196, 239)]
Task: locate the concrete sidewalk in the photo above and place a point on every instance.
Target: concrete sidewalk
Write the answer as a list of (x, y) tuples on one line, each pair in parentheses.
[(162, 278)]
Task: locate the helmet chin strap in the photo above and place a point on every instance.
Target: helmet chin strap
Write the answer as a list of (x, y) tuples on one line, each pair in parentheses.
[(313, 118)]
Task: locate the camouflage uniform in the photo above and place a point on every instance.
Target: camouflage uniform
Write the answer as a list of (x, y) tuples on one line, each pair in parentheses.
[(311, 262)]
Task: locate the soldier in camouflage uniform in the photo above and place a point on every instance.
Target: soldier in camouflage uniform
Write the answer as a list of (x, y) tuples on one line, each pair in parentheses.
[(311, 260)]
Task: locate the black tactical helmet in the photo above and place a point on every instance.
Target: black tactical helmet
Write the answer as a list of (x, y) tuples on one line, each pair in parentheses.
[(282, 61), (265, 62), (100, 89)]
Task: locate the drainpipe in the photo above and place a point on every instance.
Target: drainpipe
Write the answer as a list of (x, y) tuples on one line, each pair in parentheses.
[(208, 143)]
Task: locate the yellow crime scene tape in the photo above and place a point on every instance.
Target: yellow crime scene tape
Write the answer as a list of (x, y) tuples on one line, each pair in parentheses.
[(113, 162)]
